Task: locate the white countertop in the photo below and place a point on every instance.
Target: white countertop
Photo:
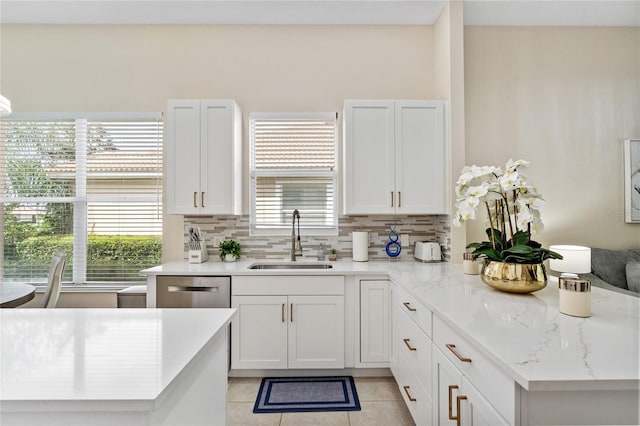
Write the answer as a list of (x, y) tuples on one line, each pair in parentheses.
[(525, 335), (123, 357)]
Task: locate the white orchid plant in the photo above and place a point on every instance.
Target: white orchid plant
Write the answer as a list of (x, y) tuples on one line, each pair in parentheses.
[(513, 208)]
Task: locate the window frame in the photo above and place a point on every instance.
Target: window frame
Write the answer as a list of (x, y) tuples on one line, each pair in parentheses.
[(292, 173), (81, 198)]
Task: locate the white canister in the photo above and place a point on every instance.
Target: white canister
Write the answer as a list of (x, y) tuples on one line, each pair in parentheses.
[(360, 246), (575, 296), (470, 266)]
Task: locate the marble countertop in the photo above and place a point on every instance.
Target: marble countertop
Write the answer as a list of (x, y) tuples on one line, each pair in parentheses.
[(525, 335), (122, 357)]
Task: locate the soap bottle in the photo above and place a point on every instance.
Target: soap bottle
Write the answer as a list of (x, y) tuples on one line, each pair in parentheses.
[(321, 253)]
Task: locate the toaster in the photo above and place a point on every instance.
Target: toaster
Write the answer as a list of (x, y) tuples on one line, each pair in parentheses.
[(427, 251)]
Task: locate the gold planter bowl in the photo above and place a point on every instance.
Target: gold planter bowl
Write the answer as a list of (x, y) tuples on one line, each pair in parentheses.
[(514, 277)]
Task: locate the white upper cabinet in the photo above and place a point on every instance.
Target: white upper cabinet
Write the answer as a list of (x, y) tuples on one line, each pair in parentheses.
[(394, 157), (204, 157)]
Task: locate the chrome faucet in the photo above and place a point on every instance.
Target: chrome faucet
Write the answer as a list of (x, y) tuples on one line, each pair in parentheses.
[(296, 245)]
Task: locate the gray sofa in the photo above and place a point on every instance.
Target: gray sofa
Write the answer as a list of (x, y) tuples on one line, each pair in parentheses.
[(616, 270)]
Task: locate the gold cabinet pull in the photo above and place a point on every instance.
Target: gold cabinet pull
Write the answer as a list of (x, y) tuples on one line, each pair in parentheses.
[(283, 312), (451, 388), (399, 198), (406, 342), (406, 390), (407, 305), (453, 349), (291, 312), (459, 417), (202, 199), (391, 198), (195, 199)]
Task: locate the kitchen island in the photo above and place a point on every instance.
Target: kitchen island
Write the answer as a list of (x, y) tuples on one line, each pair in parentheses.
[(113, 366), (557, 369)]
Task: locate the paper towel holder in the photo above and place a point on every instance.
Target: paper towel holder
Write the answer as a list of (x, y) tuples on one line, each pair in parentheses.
[(360, 241)]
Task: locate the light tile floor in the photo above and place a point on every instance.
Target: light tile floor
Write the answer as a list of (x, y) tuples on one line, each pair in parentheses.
[(380, 400)]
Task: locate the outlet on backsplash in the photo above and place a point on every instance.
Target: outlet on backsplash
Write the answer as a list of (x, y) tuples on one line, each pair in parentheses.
[(404, 240), (217, 241)]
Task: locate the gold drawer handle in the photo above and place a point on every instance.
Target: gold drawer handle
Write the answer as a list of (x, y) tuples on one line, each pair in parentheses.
[(283, 312), (406, 342), (452, 348), (399, 199), (406, 390), (406, 305), (202, 199), (451, 388), (391, 198)]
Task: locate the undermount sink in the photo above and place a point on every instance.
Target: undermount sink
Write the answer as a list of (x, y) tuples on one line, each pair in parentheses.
[(290, 265)]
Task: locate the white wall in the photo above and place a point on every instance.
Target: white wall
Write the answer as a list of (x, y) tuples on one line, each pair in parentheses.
[(564, 99)]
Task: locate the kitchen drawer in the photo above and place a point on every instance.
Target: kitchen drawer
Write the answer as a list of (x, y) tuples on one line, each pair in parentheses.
[(413, 393), (314, 285), (416, 311), (416, 347), (491, 382)]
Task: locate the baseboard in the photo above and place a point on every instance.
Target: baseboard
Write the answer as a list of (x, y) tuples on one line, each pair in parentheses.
[(355, 372)]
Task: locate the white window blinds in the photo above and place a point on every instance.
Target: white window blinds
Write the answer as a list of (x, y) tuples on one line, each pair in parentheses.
[(293, 166), (90, 187)]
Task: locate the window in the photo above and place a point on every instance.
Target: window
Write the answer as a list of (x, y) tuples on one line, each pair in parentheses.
[(293, 166), (89, 186)]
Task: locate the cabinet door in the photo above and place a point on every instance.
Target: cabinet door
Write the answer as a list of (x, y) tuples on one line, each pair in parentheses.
[(420, 157), (183, 156), (316, 332), (476, 410), (395, 312), (220, 159), (375, 321), (259, 332), (447, 386), (368, 157)]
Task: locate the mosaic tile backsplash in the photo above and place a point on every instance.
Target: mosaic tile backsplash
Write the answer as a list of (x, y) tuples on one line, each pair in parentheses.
[(419, 228)]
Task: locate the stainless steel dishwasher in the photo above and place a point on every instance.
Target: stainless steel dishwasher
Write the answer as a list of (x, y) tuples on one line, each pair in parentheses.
[(193, 292)]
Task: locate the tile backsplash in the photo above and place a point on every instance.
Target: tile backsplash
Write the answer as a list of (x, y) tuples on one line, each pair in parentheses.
[(418, 227)]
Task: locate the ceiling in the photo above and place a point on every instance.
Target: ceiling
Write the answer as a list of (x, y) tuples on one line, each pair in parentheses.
[(376, 12)]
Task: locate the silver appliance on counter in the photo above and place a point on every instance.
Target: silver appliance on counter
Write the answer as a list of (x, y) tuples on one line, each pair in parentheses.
[(193, 292)]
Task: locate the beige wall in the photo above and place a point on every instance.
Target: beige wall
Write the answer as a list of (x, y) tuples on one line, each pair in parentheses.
[(564, 99), (449, 77), (264, 68)]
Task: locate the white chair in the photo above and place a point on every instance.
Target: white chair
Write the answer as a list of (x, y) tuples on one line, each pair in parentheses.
[(56, 269)]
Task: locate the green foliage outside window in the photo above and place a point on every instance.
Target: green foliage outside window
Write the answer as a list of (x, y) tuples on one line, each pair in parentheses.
[(106, 253)]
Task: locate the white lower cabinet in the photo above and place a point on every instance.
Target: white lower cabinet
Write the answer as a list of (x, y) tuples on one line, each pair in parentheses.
[(411, 360), (287, 330), (316, 332), (468, 388), (259, 333), (447, 381), (414, 394), (477, 411), (442, 378), (375, 322), (456, 400)]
